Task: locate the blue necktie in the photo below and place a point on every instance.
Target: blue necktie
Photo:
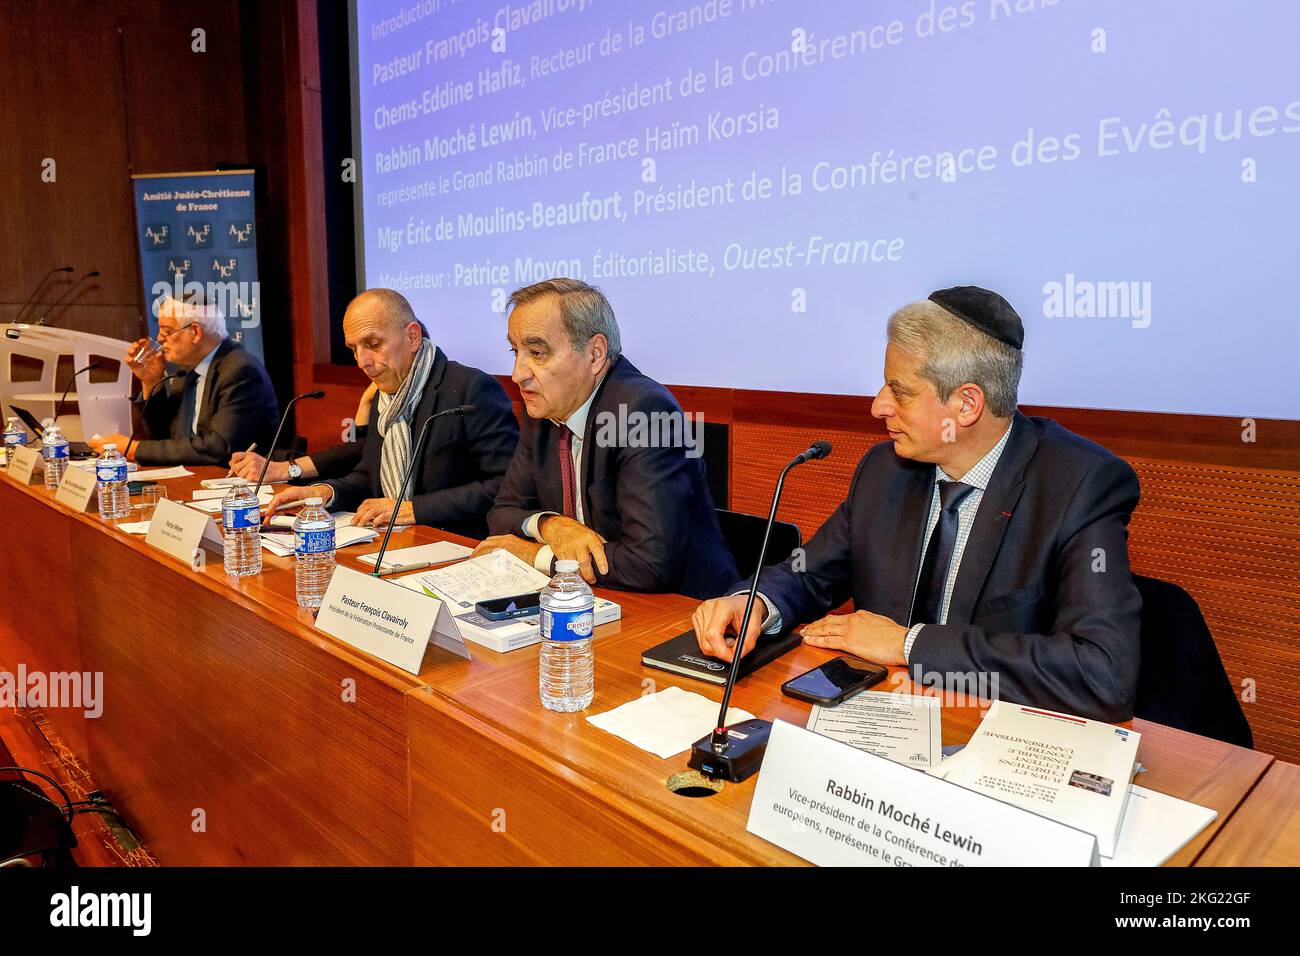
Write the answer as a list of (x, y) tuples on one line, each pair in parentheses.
[(938, 554)]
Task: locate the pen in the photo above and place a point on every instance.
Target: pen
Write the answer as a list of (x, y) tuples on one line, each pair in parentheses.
[(393, 568), (251, 448)]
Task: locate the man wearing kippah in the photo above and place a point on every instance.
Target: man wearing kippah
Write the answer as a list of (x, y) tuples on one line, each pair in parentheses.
[(977, 541)]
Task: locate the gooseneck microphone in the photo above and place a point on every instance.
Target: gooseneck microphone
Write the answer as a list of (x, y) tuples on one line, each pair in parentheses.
[(406, 479), (722, 755), (58, 409), (67, 292), (818, 449), (319, 393), (40, 285)]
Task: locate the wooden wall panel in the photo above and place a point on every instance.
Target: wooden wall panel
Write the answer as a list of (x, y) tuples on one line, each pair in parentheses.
[(813, 491), (61, 72), (1231, 537), (105, 89)]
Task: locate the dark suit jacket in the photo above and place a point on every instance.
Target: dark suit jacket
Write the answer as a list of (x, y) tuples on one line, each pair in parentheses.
[(464, 457), (1030, 602), (651, 504), (239, 408)]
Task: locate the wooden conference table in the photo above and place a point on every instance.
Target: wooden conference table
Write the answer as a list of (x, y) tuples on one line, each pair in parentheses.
[(234, 732)]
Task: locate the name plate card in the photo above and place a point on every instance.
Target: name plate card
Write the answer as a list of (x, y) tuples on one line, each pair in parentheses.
[(76, 489), (387, 620), (179, 531), (835, 805), (26, 464)]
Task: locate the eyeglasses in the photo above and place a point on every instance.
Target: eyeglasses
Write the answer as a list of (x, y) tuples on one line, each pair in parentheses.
[(165, 334)]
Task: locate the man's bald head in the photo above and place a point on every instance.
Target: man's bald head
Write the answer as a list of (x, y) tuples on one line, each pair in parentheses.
[(387, 302), (383, 333)]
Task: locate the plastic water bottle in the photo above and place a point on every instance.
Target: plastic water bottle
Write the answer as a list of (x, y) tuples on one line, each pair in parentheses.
[(567, 670), (110, 474), (313, 548), (15, 435), (241, 522), (54, 448)]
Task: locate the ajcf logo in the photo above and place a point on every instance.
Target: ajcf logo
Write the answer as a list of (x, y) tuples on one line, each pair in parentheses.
[(158, 235), (198, 235), (181, 269), (239, 234), (227, 269), (245, 309)]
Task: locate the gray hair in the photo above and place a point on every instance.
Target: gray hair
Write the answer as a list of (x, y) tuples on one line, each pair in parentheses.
[(953, 353), (585, 311), (193, 307)]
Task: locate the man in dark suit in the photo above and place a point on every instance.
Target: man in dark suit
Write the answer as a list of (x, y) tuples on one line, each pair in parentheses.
[(224, 403), (465, 456), (978, 541), (608, 471)]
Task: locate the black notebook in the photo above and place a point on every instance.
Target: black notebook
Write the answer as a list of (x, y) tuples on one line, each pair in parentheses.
[(682, 655)]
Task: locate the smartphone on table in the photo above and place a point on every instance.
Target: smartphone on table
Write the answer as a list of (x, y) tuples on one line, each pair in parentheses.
[(835, 681), (519, 605)]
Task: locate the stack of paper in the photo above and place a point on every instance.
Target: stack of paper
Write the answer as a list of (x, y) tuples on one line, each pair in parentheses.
[(1156, 826), (208, 494), (420, 556), (161, 474), (904, 728), (213, 505), (1068, 768), (219, 482), (496, 574), (281, 542)]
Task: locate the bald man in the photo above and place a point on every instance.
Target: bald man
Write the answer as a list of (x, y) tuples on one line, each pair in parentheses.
[(465, 457)]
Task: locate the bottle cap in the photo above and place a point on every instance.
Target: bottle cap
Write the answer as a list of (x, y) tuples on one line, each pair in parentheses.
[(566, 567), (315, 501), (110, 446)]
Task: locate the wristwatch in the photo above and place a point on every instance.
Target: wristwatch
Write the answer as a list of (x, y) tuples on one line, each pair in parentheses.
[(295, 471)]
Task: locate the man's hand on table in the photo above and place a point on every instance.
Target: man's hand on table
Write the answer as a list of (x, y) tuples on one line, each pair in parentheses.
[(521, 548), (375, 512), (872, 637), (573, 541), (291, 495)]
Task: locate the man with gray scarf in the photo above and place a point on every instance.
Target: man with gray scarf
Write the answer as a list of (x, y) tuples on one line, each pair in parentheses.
[(465, 457)]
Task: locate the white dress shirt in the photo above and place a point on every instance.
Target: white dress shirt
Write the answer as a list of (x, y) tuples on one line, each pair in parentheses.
[(978, 478), (577, 424)]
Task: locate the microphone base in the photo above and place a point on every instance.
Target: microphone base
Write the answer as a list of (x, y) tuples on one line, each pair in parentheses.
[(740, 759)]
